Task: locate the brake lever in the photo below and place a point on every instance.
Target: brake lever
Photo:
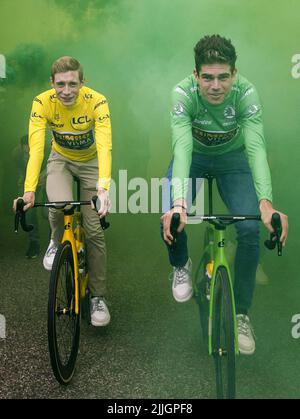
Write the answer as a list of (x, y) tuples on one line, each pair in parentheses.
[(20, 217), (271, 243), (103, 223)]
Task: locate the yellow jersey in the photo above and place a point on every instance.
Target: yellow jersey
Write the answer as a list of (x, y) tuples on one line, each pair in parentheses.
[(80, 133)]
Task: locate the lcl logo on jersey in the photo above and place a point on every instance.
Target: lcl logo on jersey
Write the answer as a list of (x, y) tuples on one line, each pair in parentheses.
[(80, 120)]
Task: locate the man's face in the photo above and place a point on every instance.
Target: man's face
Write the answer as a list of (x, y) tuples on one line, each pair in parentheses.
[(67, 86), (215, 81)]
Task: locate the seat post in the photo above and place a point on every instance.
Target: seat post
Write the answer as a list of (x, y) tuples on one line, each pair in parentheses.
[(77, 181), (210, 202)]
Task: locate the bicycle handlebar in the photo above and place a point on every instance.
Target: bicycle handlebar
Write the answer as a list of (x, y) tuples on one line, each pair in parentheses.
[(230, 219), (20, 217)]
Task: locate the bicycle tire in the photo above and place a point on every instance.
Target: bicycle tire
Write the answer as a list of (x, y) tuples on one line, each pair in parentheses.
[(63, 322), (201, 288), (223, 336)]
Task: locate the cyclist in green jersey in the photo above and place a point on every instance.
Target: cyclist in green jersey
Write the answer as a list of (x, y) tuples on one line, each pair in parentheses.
[(217, 128)]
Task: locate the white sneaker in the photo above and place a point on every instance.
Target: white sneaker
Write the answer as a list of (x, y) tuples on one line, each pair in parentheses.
[(182, 282), (50, 255), (99, 312), (245, 335)]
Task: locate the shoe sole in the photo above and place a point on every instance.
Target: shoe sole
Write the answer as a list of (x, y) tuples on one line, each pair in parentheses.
[(183, 300), (243, 352), (47, 267), (99, 324)]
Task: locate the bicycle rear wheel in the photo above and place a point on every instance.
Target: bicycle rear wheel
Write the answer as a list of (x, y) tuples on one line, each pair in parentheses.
[(63, 322), (223, 336)]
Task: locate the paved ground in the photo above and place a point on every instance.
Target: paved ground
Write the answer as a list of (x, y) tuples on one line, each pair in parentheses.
[(153, 347)]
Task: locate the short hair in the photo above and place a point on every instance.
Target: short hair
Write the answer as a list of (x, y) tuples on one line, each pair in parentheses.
[(214, 49), (64, 64)]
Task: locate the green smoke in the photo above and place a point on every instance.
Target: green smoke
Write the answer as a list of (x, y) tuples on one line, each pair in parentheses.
[(27, 65), (134, 52)]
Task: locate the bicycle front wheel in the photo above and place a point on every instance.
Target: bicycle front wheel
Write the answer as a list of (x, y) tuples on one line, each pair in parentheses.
[(223, 336), (63, 322)]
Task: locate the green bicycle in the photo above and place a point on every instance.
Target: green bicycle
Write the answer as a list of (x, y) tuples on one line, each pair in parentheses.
[(213, 292)]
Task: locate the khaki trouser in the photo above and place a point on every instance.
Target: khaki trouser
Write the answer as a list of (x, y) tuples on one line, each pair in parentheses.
[(60, 172)]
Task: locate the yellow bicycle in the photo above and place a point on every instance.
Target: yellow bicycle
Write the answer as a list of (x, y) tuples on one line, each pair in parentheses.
[(68, 288)]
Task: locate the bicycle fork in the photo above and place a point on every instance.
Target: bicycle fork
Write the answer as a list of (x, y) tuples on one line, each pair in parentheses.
[(220, 260), (69, 236)]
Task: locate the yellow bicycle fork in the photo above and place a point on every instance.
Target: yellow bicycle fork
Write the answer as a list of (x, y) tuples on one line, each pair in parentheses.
[(75, 238)]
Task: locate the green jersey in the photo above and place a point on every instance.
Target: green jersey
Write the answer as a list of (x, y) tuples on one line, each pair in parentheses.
[(198, 126)]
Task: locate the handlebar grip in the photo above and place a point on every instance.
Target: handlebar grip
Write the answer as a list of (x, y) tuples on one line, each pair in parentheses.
[(103, 223), (175, 221), (271, 243), (276, 222), (20, 217)]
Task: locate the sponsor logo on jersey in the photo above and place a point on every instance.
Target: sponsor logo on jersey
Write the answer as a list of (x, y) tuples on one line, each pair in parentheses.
[(102, 118), (52, 124), (53, 97), (247, 93), (213, 139), (36, 115), (227, 124), (182, 92), (194, 89), (36, 99), (229, 112), (80, 120), (72, 141), (99, 104), (178, 109), (88, 96), (202, 121), (252, 110)]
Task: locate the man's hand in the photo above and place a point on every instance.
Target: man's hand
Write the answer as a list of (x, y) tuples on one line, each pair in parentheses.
[(179, 207), (104, 201), (28, 198), (266, 211)]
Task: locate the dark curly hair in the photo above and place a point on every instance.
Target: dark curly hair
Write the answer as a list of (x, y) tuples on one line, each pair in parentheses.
[(214, 49)]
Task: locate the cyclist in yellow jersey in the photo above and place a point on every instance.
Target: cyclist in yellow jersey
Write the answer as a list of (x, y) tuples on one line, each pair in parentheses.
[(81, 147)]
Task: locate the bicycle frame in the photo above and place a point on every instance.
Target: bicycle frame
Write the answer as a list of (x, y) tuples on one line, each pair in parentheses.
[(74, 236)]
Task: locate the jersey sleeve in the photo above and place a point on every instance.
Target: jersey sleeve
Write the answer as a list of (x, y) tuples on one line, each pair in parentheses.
[(103, 139), (36, 141), (250, 119), (182, 142)]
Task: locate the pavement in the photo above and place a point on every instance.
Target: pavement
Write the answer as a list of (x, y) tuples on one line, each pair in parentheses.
[(152, 349)]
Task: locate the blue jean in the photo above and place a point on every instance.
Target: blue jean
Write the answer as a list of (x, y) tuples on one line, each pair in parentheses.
[(236, 188)]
